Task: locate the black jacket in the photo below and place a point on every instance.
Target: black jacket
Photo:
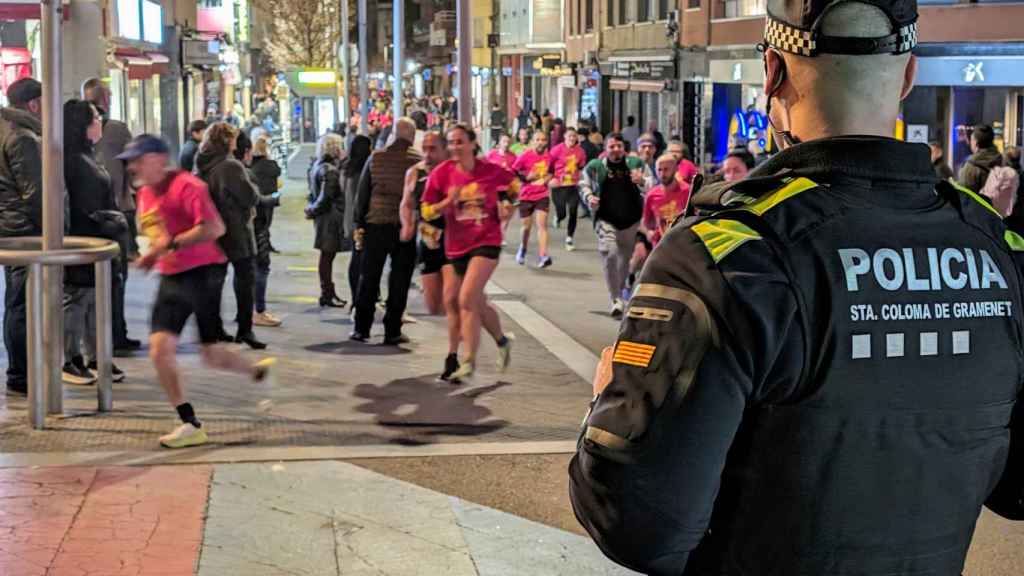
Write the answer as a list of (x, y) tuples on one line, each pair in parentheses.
[(21, 174), (975, 171), (236, 199), (265, 173), (187, 157), (92, 207), (788, 393)]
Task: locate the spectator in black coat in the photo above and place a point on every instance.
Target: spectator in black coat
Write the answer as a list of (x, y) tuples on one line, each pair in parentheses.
[(93, 212), (327, 209), (236, 199), (265, 173), (187, 158)]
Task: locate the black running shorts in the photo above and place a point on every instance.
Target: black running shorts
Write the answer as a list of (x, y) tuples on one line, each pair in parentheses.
[(461, 264), (431, 259), (196, 291)]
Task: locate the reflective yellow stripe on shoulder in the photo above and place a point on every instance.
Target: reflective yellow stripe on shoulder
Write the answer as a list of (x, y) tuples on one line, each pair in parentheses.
[(769, 201), (1014, 241), (721, 237), (974, 196)]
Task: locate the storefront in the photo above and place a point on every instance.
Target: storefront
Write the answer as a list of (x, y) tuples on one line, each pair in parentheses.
[(644, 86), (952, 94), (136, 96), (737, 105)]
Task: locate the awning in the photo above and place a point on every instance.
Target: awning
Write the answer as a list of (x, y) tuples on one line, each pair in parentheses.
[(26, 10), (159, 63), (637, 85), (142, 65), (642, 56)]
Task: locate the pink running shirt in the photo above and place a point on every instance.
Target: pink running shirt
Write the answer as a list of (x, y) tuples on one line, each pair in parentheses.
[(472, 220), (184, 204), (531, 166), (567, 164), (662, 206)]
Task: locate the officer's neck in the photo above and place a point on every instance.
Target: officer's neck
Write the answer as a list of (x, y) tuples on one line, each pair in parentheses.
[(814, 123)]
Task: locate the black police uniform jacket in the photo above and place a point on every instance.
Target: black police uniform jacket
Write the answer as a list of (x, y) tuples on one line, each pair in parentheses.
[(818, 376)]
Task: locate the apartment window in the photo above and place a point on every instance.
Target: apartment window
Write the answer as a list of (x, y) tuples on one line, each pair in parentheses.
[(611, 12), (741, 8), (623, 12), (693, 3), (662, 9), (572, 17), (643, 10), (588, 16)]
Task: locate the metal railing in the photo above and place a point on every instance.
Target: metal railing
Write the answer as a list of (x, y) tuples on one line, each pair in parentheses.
[(45, 388)]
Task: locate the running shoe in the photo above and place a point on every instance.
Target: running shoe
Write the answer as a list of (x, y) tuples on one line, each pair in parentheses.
[(116, 375), (505, 352), (184, 436), (265, 372), (451, 364), (73, 374), (570, 244), (617, 308), (465, 372), (266, 319), (521, 256), (544, 262)]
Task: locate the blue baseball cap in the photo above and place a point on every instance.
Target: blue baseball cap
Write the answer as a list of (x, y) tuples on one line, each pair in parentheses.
[(144, 144)]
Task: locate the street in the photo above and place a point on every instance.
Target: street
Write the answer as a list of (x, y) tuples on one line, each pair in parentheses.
[(357, 461)]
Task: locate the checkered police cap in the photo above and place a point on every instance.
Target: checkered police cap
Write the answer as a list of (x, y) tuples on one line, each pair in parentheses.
[(793, 26)]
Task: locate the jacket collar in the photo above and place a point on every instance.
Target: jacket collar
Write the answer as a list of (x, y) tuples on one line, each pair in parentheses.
[(22, 119), (862, 157)]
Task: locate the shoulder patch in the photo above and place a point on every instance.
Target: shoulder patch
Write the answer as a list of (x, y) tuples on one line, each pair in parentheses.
[(721, 236)]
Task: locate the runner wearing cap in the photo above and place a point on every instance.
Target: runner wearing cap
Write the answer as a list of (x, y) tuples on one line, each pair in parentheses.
[(182, 224)]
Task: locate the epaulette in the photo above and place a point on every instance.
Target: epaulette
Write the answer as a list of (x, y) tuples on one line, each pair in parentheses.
[(979, 210)]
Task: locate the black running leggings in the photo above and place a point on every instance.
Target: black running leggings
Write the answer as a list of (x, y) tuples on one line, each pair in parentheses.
[(567, 197)]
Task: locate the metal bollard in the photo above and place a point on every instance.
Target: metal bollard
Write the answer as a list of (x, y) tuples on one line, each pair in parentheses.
[(37, 397), (104, 337), (53, 337)]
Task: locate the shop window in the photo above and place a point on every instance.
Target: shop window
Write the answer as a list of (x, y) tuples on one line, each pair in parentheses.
[(588, 16), (743, 8), (643, 10)]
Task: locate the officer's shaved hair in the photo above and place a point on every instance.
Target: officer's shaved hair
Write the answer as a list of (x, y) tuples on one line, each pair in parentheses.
[(845, 92)]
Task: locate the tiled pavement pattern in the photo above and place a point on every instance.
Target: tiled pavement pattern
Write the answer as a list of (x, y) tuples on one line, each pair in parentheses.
[(309, 518)]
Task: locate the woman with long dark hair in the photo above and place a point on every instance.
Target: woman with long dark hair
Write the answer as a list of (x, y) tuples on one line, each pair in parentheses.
[(472, 195), (351, 169), (93, 212), (327, 210)]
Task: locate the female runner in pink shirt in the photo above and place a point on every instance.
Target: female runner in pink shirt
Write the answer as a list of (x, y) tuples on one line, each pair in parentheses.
[(473, 196)]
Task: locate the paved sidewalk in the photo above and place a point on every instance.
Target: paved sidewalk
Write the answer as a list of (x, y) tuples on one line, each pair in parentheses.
[(308, 518)]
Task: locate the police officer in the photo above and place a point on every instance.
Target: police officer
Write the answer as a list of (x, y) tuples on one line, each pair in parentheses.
[(820, 375)]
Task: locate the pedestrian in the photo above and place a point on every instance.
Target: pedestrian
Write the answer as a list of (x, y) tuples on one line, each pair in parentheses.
[(498, 121), (631, 133), (326, 207), (533, 168), (187, 157), (1013, 160), (434, 266), (660, 146), (265, 174), (614, 187), (759, 376), (21, 212), (567, 162), (942, 169), (473, 197), (378, 216), (646, 150), (235, 197), (664, 202), (985, 156), (92, 211), (535, 121), (523, 138), (115, 137), (183, 224), (687, 169), (501, 154), (597, 139), (547, 123), (737, 165), (557, 132), (351, 169), (592, 151)]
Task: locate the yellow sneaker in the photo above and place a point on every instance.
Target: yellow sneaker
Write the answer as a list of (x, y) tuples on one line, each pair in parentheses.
[(184, 436)]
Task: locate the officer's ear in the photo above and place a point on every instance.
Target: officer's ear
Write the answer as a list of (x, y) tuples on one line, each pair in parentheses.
[(774, 71), (909, 75)]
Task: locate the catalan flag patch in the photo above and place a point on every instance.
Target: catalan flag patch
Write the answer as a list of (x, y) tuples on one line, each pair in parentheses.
[(634, 353)]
